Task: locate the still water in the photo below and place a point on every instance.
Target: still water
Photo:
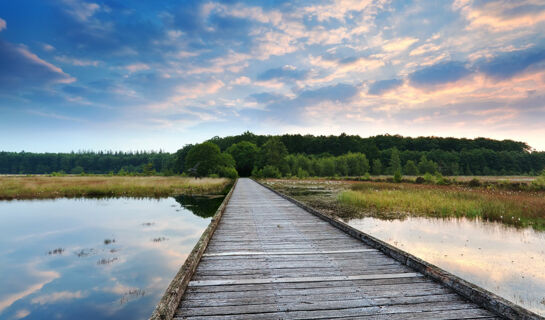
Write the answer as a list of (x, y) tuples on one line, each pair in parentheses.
[(94, 259), (507, 261)]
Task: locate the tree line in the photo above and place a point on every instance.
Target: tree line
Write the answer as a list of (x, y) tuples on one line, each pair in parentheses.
[(298, 155), (87, 162)]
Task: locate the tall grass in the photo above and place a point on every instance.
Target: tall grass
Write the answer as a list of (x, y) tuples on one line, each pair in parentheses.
[(515, 208), (43, 187)]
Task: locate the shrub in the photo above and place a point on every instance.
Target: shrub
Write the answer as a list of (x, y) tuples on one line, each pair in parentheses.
[(301, 174), (377, 167), (57, 174), (440, 180), (420, 180), (410, 168), (257, 173), (539, 182), (77, 170), (397, 176), (228, 172), (428, 178), (474, 182), (271, 172)]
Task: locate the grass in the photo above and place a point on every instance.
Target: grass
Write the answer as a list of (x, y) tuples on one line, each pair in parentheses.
[(397, 200), (46, 187)]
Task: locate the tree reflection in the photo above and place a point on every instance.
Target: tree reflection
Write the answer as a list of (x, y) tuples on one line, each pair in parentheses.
[(202, 206)]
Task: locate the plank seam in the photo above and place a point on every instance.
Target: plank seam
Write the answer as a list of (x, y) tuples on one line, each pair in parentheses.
[(222, 282)]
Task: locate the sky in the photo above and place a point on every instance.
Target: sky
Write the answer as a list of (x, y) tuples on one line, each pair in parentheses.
[(156, 75)]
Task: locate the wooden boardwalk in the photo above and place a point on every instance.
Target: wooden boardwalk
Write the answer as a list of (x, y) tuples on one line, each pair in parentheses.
[(270, 259)]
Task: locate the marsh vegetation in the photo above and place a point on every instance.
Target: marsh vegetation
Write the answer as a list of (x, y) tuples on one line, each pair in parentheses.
[(47, 187), (352, 199)]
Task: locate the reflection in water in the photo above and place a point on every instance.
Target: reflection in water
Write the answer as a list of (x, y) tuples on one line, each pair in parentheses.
[(91, 259), (507, 261), (203, 206)]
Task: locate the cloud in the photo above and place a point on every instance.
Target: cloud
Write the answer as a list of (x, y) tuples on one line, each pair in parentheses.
[(3, 24), (58, 296), (135, 67), (291, 109), (75, 61), (398, 45), (241, 81), (23, 69), (286, 72), (378, 87), (184, 94), (501, 15), (80, 10), (265, 97), (48, 47), (509, 64), (425, 48), (340, 92), (438, 74), (20, 314)]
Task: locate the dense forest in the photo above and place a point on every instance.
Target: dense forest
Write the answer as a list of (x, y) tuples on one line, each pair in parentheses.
[(86, 162), (298, 155)]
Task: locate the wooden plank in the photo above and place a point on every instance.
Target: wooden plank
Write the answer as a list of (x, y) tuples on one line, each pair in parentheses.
[(322, 309), (303, 279), (283, 253)]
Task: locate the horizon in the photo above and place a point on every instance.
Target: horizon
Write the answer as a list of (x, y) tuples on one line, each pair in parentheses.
[(222, 137), (107, 75)]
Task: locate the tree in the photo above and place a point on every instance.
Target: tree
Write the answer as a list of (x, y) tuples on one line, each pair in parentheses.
[(327, 167), (148, 169), (273, 153), (206, 157), (410, 168), (427, 166), (179, 161), (377, 167), (245, 154), (358, 164), (270, 172), (395, 162)]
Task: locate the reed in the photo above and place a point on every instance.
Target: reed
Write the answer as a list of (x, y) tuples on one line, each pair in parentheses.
[(47, 187), (510, 207)]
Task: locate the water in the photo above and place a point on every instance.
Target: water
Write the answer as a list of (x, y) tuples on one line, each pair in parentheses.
[(94, 259), (507, 261)]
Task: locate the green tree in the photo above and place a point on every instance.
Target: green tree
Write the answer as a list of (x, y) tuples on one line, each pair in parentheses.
[(358, 164), (148, 169), (327, 167), (410, 168), (341, 166), (77, 170), (273, 153), (398, 176), (377, 167), (270, 172), (395, 162), (427, 166), (245, 154), (206, 157), (179, 158)]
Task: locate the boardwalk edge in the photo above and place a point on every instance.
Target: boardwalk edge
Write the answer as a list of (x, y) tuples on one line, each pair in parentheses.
[(166, 308), (472, 292)]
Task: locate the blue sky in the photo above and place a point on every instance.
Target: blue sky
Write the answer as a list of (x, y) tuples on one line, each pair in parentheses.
[(143, 75)]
